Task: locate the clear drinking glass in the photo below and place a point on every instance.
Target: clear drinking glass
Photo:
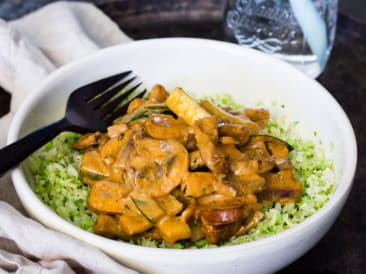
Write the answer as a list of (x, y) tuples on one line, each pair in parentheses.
[(300, 32)]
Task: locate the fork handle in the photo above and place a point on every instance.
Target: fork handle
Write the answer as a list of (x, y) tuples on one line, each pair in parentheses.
[(16, 152)]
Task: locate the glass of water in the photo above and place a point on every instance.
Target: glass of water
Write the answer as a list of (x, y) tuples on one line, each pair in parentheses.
[(300, 32)]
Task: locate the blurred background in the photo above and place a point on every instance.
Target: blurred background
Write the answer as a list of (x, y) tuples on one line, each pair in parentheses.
[(12, 9)]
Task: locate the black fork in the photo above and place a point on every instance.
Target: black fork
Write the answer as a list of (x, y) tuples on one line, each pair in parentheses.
[(89, 108)]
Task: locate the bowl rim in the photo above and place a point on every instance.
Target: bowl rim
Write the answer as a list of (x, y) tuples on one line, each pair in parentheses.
[(26, 194)]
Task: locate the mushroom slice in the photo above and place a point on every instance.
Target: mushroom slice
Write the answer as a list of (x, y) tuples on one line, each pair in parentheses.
[(150, 151), (158, 94), (282, 163), (109, 150), (277, 143), (244, 167), (135, 103), (230, 152), (116, 130), (178, 162), (244, 178), (247, 184), (279, 151), (256, 149), (224, 116), (126, 149), (209, 126), (212, 156), (159, 166), (257, 115), (162, 126), (226, 140), (238, 132)]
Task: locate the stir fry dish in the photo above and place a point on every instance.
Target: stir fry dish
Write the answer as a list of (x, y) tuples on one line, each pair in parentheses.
[(173, 169)]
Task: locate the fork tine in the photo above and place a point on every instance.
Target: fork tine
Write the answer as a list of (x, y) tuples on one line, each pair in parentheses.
[(123, 109), (108, 95), (110, 106), (91, 90)]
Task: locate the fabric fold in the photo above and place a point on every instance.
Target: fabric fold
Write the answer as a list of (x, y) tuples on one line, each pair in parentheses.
[(31, 48), (35, 45), (34, 240)]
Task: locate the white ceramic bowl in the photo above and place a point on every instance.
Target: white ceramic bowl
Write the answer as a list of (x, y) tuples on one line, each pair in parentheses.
[(208, 67)]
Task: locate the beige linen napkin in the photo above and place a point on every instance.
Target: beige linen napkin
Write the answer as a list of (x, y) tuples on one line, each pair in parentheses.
[(31, 48), (47, 251)]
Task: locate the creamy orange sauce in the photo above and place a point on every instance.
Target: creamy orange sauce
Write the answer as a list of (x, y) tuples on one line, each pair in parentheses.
[(153, 175)]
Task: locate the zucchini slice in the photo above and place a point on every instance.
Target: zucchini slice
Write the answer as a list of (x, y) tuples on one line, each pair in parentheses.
[(185, 107), (270, 138)]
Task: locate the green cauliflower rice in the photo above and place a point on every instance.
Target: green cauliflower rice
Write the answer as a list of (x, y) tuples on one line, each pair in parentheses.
[(55, 169), (55, 172)]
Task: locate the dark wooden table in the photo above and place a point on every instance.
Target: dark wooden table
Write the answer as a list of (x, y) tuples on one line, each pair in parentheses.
[(343, 249)]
